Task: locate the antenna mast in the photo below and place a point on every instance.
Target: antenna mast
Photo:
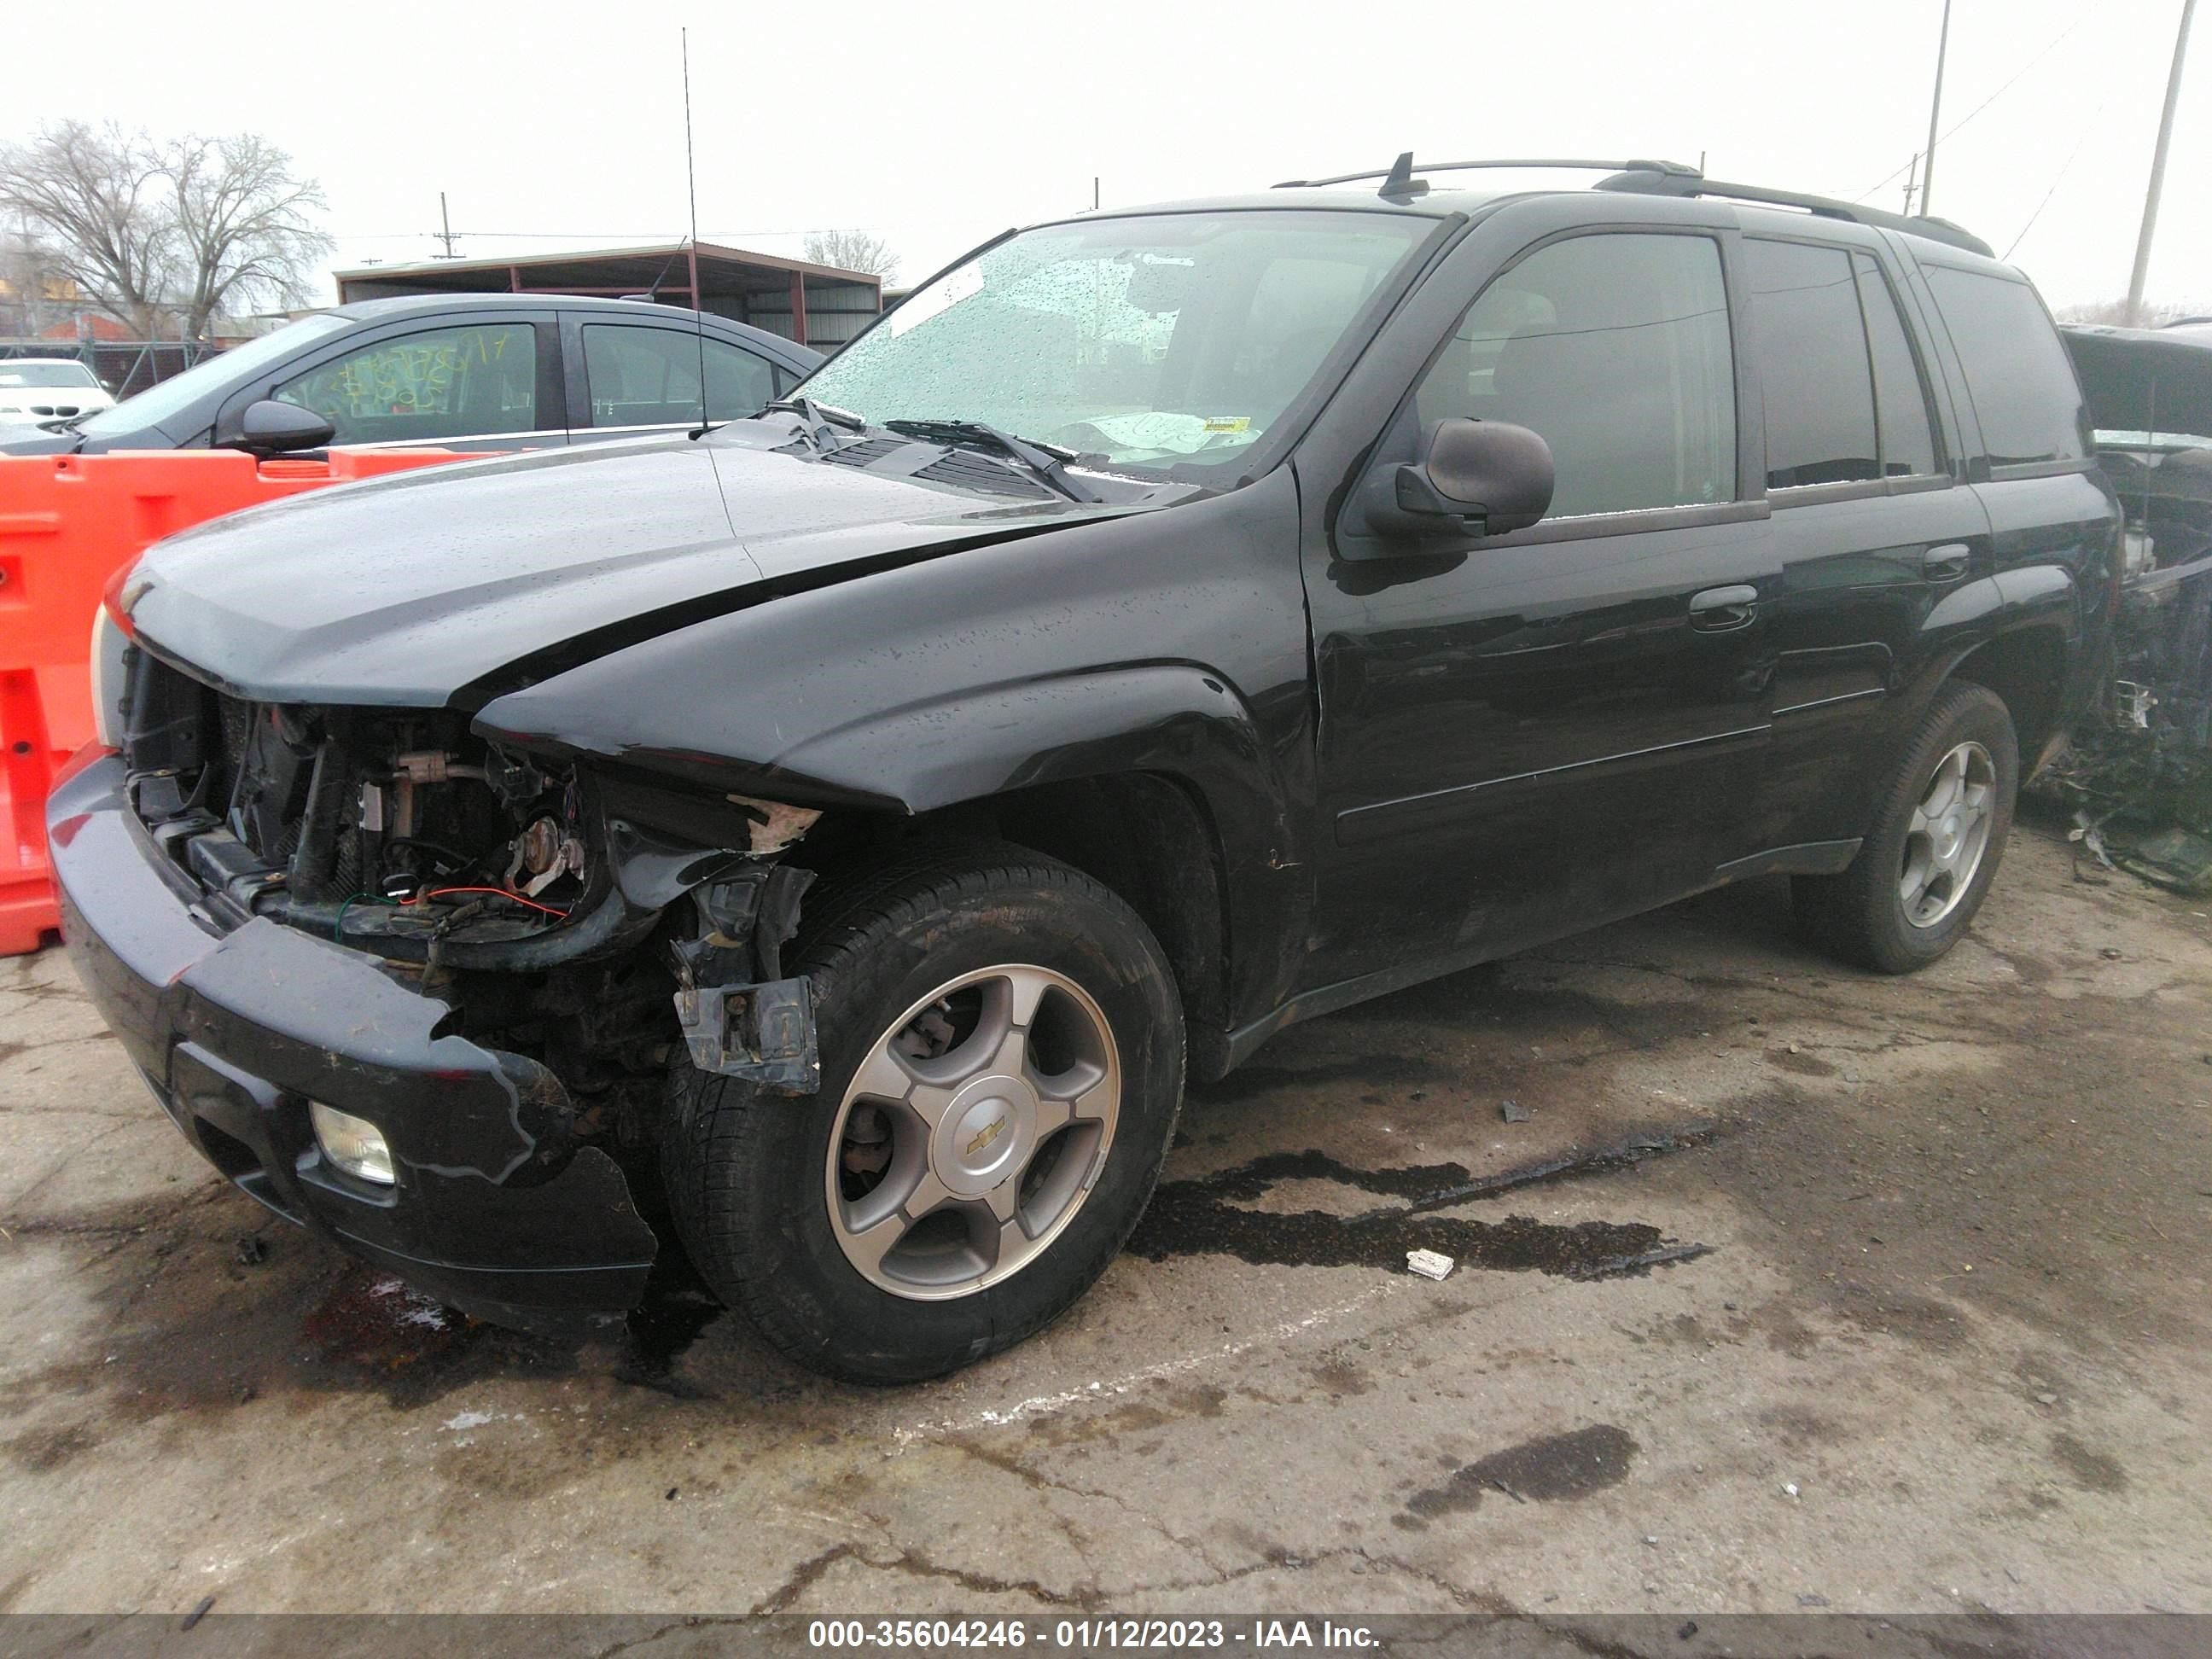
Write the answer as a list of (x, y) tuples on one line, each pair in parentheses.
[(691, 188), (1935, 107)]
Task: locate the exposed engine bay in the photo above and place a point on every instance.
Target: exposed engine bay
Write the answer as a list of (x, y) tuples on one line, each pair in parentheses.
[(599, 927), (2139, 777)]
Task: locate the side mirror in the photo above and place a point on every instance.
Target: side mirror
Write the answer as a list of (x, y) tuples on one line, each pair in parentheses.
[(1478, 477), (269, 427)]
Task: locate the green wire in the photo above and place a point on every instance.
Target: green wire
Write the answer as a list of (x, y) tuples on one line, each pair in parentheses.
[(337, 927)]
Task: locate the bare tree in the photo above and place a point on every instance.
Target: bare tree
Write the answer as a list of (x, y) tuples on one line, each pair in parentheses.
[(93, 195), (852, 249), (242, 230), (164, 232)]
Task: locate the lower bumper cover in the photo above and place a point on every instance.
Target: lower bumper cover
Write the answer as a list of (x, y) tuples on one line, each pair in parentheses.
[(493, 1210)]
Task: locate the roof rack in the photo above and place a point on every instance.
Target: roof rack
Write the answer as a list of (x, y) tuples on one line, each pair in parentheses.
[(1398, 177), (1663, 179), (1649, 182)]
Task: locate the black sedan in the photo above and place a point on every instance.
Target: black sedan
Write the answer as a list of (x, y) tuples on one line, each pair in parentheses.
[(468, 372)]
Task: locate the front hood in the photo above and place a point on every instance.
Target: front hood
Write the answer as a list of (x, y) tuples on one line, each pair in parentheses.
[(2145, 379), (406, 591), (19, 439)]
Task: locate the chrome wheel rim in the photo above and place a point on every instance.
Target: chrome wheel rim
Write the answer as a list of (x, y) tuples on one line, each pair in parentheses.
[(973, 1133), (1949, 835)]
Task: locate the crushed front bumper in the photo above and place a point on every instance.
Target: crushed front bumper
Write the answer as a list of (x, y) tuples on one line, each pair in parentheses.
[(494, 1210)]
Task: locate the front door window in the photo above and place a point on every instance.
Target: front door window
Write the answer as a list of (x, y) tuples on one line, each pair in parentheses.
[(1614, 349), (479, 381)]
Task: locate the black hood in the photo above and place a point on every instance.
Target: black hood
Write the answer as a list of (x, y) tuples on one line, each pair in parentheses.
[(402, 591), (2145, 380), (37, 440)]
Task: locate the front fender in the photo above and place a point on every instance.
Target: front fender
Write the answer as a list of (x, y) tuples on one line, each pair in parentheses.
[(1170, 642), (1176, 717)]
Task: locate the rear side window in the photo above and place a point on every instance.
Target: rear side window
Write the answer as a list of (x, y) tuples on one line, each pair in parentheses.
[(2021, 383), (1908, 441), (1614, 349), (1818, 377), (644, 376)]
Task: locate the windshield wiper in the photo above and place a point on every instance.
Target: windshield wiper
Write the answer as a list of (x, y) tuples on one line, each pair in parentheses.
[(817, 416), (1047, 461)]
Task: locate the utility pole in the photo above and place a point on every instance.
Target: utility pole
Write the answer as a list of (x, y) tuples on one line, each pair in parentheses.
[(1912, 177), (445, 234), (1094, 192), (2158, 168), (1935, 108)]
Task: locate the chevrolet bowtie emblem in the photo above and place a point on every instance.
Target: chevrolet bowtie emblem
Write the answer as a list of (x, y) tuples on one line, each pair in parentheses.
[(985, 1136)]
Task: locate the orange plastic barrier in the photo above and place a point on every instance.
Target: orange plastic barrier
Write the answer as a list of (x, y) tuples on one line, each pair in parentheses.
[(67, 524)]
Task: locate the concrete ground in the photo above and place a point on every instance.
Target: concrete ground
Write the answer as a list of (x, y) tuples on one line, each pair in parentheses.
[(1945, 1349)]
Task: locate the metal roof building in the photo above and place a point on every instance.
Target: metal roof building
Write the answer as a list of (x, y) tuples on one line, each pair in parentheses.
[(815, 305)]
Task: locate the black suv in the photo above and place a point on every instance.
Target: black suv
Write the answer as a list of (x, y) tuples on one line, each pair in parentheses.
[(460, 371), (853, 827)]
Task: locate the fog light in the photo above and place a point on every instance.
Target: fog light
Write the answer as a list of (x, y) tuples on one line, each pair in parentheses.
[(353, 1144)]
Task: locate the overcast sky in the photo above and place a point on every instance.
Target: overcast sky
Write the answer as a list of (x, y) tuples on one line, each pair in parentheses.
[(555, 124)]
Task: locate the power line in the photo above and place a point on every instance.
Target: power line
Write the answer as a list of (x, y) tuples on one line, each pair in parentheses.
[(1951, 130), (2088, 132)]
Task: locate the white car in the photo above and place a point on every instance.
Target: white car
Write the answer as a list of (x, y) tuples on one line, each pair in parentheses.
[(37, 389)]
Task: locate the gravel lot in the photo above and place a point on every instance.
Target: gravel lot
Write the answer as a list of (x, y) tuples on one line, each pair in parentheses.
[(1945, 1349)]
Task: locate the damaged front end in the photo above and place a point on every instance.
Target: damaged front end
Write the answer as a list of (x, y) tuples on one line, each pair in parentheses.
[(545, 902), (2139, 779)]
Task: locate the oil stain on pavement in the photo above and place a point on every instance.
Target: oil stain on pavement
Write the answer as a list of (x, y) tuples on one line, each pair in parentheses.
[(1555, 1467), (1207, 1216)]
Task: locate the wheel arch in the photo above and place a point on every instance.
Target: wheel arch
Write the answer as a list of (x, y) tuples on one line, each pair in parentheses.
[(2026, 667), (1154, 838)]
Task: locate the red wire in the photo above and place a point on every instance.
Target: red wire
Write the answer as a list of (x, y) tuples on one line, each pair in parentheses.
[(441, 892)]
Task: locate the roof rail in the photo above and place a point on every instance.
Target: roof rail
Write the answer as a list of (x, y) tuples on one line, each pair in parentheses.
[(1398, 177), (1662, 179), (1641, 179)]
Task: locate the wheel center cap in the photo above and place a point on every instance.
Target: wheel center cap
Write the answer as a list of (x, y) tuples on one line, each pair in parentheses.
[(986, 1135)]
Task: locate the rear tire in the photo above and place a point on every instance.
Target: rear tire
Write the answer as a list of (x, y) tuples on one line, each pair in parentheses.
[(1935, 844), (1026, 1151)]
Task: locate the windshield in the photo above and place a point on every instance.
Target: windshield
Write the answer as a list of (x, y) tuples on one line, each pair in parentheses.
[(16, 375), (158, 404), (1154, 340)]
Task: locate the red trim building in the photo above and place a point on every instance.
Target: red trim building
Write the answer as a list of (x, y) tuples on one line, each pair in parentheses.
[(815, 305)]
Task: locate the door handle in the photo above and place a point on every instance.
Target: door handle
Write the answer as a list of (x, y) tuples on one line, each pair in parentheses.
[(1721, 610), (1946, 563)]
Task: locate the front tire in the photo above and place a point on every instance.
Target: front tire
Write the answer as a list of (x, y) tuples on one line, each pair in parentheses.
[(1002, 1061), (1923, 873)]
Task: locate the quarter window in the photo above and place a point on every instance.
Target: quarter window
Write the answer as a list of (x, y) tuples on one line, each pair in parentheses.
[(1813, 365), (2022, 384), (442, 383), (1614, 348), (650, 376)]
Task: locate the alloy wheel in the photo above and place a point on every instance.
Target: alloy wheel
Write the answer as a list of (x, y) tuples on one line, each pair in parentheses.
[(1948, 835), (973, 1132)]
